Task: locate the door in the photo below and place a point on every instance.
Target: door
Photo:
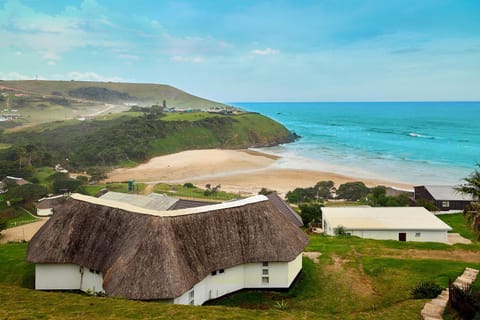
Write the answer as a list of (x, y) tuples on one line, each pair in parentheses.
[(402, 236)]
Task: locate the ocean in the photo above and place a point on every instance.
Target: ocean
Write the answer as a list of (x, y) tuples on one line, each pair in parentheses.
[(406, 142)]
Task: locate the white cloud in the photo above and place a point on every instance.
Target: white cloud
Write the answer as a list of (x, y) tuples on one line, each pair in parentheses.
[(265, 52), (91, 76), (51, 63), (129, 57), (186, 59), (189, 46), (14, 76)]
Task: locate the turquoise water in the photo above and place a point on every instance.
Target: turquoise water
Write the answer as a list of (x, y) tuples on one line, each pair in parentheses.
[(410, 142)]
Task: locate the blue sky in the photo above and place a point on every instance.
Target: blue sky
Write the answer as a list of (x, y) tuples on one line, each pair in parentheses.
[(329, 50)]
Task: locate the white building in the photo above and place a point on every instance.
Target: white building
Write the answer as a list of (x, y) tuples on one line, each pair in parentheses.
[(45, 205), (185, 256), (386, 223)]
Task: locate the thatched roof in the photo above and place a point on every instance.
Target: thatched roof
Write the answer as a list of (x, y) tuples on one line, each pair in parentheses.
[(146, 254), (285, 208), (47, 203)]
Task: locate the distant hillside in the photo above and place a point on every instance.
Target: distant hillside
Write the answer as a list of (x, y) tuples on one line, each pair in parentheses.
[(142, 93), (32, 102)]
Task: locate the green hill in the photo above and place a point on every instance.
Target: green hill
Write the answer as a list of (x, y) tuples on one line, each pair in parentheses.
[(39, 101), (136, 137)]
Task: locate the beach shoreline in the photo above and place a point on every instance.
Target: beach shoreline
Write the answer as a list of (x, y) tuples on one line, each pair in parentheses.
[(243, 171)]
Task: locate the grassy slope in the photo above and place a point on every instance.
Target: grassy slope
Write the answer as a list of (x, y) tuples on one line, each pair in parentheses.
[(137, 139), (151, 93), (354, 279)]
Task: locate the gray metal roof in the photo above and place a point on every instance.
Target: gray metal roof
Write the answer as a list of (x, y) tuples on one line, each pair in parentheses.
[(448, 193), (154, 201)]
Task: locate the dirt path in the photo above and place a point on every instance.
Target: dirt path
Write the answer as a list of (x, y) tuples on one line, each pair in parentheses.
[(455, 255), (21, 233)]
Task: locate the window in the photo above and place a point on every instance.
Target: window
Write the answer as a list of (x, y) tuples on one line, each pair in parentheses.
[(221, 271), (445, 204), (264, 264), (191, 297), (214, 273), (265, 280), (417, 234), (265, 272)]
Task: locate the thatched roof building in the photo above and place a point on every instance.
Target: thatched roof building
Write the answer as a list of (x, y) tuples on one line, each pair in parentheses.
[(146, 254)]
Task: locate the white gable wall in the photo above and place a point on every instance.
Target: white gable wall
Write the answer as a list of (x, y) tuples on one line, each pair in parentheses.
[(280, 275), (67, 277), (44, 212), (415, 235)]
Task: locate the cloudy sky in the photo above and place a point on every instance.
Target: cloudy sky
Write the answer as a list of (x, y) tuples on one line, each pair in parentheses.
[(323, 50)]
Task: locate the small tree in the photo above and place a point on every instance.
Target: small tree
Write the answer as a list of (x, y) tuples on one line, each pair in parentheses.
[(352, 191), (266, 191), (472, 212), (311, 213)]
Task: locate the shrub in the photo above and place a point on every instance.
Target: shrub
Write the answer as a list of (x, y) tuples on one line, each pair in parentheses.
[(281, 305), (426, 290), (188, 185), (340, 231), (311, 213), (427, 205)]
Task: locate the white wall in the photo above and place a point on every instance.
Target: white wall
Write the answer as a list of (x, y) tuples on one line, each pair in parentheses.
[(44, 212), (280, 275), (92, 281), (57, 277), (412, 235), (415, 235), (67, 277)]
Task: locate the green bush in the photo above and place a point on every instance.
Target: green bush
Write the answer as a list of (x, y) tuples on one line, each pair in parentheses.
[(188, 185), (427, 205), (426, 290), (311, 213)]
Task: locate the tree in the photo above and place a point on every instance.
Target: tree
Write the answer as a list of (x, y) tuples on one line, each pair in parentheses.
[(301, 195), (25, 193), (472, 185), (266, 191), (353, 191), (472, 212), (311, 213), (323, 189)]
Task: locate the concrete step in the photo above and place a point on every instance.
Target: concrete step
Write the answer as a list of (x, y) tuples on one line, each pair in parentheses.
[(432, 310)]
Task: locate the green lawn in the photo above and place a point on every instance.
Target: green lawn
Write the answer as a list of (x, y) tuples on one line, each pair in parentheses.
[(347, 283), (187, 116), (23, 217), (457, 222), (354, 279), (92, 190), (178, 190)]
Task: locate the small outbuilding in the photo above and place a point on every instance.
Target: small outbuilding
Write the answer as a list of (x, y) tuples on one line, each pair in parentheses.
[(45, 206), (445, 198), (386, 223)]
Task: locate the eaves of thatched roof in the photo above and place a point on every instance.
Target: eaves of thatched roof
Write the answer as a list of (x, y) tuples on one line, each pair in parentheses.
[(150, 255)]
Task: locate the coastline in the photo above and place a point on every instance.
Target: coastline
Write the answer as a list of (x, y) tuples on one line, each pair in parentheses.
[(243, 171)]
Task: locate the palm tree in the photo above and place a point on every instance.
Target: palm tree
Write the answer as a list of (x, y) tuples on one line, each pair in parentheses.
[(472, 212)]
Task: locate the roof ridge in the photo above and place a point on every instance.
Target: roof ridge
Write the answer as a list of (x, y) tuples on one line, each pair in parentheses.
[(169, 213)]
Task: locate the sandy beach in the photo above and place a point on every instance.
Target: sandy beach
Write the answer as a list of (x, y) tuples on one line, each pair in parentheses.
[(242, 171)]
